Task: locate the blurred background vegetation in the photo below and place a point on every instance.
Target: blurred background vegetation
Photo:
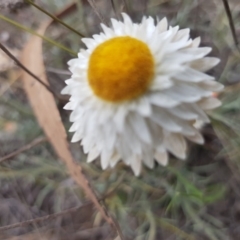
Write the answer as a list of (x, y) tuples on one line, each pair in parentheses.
[(198, 199)]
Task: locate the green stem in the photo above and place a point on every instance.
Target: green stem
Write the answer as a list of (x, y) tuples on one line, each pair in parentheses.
[(55, 18), (37, 34)]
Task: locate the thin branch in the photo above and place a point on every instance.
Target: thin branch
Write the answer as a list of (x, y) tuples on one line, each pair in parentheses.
[(62, 213), (78, 175), (45, 218), (114, 8), (93, 5), (30, 145), (231, 23), (110, 193), (55, 18), (71, 210), (108, 217), (27, 70), (145, 4)]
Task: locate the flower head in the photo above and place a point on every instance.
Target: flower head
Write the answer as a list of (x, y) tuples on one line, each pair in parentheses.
[(137, 92)]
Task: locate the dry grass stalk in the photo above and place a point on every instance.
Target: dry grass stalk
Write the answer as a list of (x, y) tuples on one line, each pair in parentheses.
[(28, 146), (42, 219), (231, 23), (5, 50), (93, 5)]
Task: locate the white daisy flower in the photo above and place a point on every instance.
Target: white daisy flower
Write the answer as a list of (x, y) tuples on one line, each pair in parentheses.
[(137, 91)]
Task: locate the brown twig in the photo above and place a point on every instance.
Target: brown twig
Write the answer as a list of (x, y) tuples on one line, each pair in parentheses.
[(30, 145), (45, 218), (111, 220), (27, 70), (77, 174), (56, 215), (231, 23)]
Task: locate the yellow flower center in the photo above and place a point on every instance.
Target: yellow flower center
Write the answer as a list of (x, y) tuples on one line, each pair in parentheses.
[(120, 69)]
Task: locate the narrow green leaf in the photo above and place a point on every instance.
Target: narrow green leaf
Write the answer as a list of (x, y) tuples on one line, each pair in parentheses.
[(37, 34)]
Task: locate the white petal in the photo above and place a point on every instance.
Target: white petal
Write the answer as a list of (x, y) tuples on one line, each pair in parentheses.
[(119, 118), (105, 112), (191, 75), (117, 26), (89, 42), (196, 42), (161, 157), (73, 61), (198, 124), (187, 127), (92, 155), (108, 31), (197, 138), (174, 31), (148, 159), (176, 144), (123, 149), (161, 82), (105, 159), (150, 26), (77, 114), (183, 92), (204, 64), (172, 47), (131, 140), (212, 86), (140, 127), (162, 25), (66, 90), (75, 126), (109, 134), (209, 103), (69, 106), (76, 137), (114, 159), (187, 55), (182, 34), (182, 111), (199, 51), (201, 114), (156, 133), (98, 38), (162, 100), (127, 19), (164, 119), (168, 66), (135, 162), (143, 106)]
